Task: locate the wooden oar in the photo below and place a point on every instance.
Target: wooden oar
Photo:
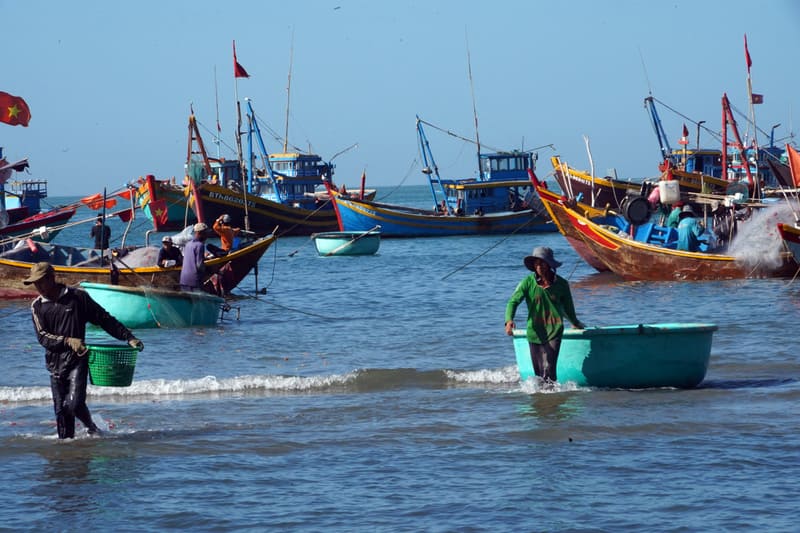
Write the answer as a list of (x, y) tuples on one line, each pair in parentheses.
[(351, 241)]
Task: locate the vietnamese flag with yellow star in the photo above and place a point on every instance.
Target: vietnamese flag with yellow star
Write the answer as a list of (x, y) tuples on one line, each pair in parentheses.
[(14, 110)]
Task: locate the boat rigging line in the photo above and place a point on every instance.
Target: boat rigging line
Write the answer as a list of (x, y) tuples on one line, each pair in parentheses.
[(537, 213), (411, 168), (466, 139)]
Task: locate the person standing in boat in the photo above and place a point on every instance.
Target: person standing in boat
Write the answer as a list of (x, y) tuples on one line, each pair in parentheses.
[(227, 235), (194, 254), (549, 301), (169, 255), (60, 315), (101, 234)]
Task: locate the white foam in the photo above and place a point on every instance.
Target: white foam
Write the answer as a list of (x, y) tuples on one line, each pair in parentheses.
[(162, 387), (508, 374), (757, 242)]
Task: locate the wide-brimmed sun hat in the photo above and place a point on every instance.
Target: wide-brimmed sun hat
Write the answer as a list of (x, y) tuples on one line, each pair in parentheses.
[(39, 271), (543, 253)]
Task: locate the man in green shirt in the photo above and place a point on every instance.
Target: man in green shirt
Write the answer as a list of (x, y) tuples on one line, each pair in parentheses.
[(549, 300)]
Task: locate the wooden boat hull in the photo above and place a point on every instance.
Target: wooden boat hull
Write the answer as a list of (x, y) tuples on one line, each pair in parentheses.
[(155, 195), (72, 267), (635, 260), (791, 238), (52, 219), (646, 262), (552, 203), (146, 307), (628, 357), (401, 221), (347, 242), (264, 215)]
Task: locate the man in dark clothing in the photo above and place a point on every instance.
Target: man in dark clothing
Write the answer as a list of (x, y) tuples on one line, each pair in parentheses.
[(169, 255), (101, 234), (60, 315)]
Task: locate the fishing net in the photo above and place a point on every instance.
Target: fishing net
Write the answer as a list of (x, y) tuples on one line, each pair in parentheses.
[(757, 242)]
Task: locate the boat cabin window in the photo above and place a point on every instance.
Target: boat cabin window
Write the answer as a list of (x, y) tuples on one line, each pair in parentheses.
[(507, 163)]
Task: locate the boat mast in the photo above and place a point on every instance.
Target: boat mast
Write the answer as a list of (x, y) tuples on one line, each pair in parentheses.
[(216, 104), (663, 139), (755, 182), (729, 121), (288, 93), (474, 107), (591, 164), (239, 71), (427, 157), (253, 128)]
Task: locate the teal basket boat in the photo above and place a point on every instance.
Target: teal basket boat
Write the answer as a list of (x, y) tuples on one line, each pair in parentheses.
[(636, 356), (111, 365)]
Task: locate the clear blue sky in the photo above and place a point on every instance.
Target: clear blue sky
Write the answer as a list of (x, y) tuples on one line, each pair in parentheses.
[(109, 83)]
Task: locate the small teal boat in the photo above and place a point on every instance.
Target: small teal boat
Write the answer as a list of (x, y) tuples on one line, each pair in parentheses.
[(628, 357), (348, 242), (150, 307)]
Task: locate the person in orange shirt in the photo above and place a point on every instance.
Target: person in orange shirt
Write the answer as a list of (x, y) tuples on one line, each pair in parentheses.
[(226, 233)]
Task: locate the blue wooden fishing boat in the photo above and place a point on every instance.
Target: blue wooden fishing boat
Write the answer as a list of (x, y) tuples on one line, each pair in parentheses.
[(151, 307), (348, 242), (628, 357), (500, 201), (284, 189)]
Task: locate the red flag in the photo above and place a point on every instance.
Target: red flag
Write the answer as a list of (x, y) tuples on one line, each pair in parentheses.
[(685, 137), (125, 194), (158, 210), (794, 164), (14, 110), (238, 70), (757, 98), (95, 202), (747, 55), (125, 215)]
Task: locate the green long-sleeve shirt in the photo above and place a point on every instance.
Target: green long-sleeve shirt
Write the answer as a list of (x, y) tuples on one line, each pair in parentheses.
[(546, 308)]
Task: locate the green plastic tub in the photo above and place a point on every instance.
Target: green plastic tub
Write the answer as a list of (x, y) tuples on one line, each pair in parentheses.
[(111, 365)]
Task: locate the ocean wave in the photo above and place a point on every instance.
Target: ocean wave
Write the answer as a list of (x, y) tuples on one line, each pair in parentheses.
[(362, 380)]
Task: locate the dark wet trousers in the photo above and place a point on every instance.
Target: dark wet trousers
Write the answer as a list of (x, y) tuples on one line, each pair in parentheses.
[(545, 357), (69, 400)]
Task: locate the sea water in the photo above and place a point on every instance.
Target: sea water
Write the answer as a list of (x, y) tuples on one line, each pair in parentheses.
[(380, 393)]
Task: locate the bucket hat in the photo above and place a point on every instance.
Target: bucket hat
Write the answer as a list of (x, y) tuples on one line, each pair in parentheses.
[(545, 254), (39, 271), (687, 211)]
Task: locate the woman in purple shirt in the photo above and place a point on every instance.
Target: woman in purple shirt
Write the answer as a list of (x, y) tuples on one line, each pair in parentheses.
[(193, 256)]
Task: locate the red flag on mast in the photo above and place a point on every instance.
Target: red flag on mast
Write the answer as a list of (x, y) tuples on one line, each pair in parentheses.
[(685, 137), (14, 110), (747, 55), (238, 70)]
